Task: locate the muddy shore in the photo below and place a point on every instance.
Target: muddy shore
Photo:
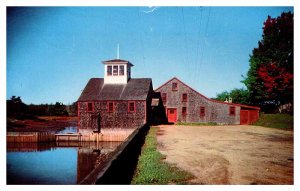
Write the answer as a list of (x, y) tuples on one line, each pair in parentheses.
[(41, 124)]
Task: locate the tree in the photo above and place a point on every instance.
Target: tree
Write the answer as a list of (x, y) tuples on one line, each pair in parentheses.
[(59, 109), (15, 106), (238, 96), (72, 109), (223, 96), (270, 77)]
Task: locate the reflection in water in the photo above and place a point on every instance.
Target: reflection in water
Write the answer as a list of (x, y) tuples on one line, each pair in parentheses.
[(71, 129), (29, 147), (91, 154), (49, 163)]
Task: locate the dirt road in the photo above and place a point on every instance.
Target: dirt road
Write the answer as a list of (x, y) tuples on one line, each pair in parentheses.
[(229, 154)]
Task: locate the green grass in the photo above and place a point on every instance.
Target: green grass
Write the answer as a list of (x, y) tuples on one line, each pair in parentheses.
[(197, 124), (278, 121), (151, 168)]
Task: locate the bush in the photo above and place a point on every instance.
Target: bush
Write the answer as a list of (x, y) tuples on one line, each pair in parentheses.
[(279, 121)]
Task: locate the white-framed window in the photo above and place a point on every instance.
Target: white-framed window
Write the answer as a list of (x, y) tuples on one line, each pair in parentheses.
[(121, 70), (109, 70), (115, 70)]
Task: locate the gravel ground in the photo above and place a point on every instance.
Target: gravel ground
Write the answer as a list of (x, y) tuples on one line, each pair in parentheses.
[(229, 154)]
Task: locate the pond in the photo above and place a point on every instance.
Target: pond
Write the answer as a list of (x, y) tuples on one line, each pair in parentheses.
[(70, 129), (54, 163)]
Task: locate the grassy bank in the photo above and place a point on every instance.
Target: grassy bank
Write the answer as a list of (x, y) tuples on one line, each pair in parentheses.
[(152, 170), (278, 121)]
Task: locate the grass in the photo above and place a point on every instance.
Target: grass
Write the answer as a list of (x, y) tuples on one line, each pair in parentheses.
[(151, 168), (278, 121), (197, 124)]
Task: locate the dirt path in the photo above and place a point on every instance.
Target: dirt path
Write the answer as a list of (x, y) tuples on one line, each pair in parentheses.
[(230, 154)]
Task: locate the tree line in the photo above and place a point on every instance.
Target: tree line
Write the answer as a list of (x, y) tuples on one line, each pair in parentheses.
[(16, 108), (270, 79)]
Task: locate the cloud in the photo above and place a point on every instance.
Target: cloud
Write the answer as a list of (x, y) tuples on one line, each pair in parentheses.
[(152, 9)]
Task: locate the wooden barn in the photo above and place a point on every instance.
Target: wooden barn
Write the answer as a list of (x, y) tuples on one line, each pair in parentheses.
[(116, 101), (184, 104)]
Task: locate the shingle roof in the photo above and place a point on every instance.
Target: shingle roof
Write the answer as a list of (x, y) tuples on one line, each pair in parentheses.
[(135, 89), (117, 61)]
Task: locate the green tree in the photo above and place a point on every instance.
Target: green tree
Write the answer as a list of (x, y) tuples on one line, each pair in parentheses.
[(223, 96), (238, 96), (270, 77)]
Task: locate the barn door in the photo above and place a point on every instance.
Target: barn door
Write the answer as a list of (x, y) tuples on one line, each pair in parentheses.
[(172, 115), (93, 123), (244, 117)]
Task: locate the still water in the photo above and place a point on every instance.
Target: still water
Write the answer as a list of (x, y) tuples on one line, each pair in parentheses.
[(54, 163), (71, 129)]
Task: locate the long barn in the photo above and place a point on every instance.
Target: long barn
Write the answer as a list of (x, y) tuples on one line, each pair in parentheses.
[(184, 104)]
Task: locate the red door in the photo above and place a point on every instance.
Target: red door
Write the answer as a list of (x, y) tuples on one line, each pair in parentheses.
[(253, 116), (244, 117), (172, 115)]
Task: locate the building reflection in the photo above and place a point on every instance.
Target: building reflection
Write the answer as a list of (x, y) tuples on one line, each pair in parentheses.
[(92, 154), (29, 147), (89, 154)]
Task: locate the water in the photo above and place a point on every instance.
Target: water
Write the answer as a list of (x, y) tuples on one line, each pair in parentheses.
[(51, 163), (71, 129)]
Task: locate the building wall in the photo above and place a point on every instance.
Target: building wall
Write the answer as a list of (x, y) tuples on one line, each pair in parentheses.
[(214, 112), (120, 118), (118, 79)]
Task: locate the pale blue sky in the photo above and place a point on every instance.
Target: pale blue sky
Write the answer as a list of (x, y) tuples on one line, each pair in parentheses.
[(53, 52)]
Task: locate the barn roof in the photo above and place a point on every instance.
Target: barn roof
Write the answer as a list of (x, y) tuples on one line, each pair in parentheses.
[(135, 89)]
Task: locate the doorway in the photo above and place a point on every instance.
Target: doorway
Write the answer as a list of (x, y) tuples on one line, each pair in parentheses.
[(172, 115)]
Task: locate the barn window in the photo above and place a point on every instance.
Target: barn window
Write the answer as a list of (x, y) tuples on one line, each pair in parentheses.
[(90, 106), (184, 97), (164, 97), (202, 111), (109, 70), (232, 110), (131, 106), (184, 111), (115, 70), (121, 70), (174, 86), (110, 106)]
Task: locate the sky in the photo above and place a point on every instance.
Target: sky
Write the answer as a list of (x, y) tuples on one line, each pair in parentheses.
[(52, 52)]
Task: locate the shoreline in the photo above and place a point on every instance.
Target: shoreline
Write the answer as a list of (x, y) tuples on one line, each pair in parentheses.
[(41, 124)]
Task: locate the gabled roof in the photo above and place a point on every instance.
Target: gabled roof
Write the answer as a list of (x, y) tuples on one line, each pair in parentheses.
[(117, 61), (135, 89), (233, 104)]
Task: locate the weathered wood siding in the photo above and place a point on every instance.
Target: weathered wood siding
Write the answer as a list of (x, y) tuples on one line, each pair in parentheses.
[(214, 111), (119, 118), (29, 137)]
